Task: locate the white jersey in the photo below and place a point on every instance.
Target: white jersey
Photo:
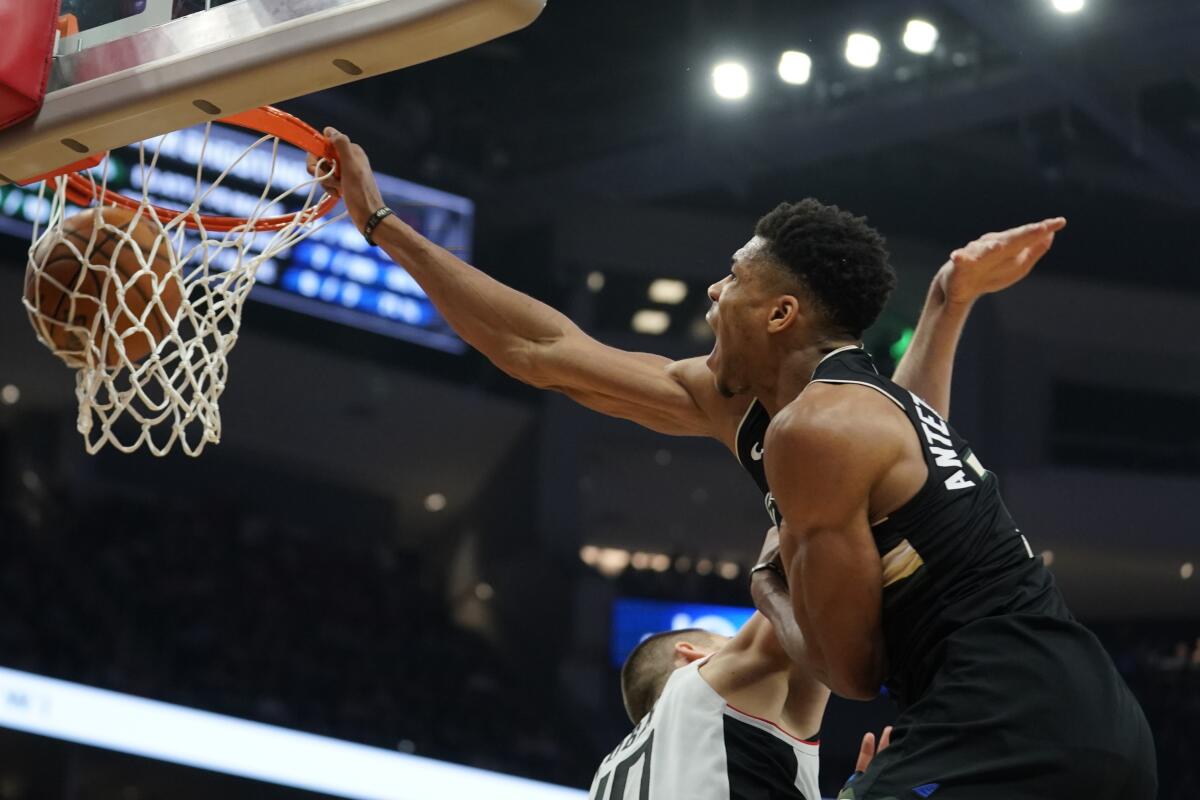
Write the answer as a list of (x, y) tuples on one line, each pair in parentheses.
[(694, 745)]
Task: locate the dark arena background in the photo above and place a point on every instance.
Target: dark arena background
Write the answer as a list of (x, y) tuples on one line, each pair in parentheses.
[(397, 546)]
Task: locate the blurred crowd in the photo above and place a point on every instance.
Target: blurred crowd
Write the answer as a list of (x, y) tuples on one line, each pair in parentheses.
[(331, 632), (1161, 663)]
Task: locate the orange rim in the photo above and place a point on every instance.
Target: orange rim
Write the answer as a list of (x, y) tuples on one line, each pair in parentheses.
[(83, 190), (68, 25)]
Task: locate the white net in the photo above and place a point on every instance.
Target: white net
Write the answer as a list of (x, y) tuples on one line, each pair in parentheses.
[(147, 309)]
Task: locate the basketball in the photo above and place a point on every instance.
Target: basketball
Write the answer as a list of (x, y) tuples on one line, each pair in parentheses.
[(65, 293)]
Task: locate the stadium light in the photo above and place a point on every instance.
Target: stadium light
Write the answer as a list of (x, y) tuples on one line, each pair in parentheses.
[(668, 292), (731, 80), (612, 561), (651, 321), (1069, 6), (862, 50), (795, 67), (920, 37)]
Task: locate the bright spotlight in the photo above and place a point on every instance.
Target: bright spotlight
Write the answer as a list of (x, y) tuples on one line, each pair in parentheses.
[(668, 292), (1069, 6), (731, 80), (862, 50), (612, 561), (651, 321), (795, 67), (920, 37)]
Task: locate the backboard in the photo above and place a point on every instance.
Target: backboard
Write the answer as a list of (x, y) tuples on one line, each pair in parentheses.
[(141, 68)]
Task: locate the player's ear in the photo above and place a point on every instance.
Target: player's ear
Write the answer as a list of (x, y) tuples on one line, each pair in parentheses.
[(687, 652), (784, 313)]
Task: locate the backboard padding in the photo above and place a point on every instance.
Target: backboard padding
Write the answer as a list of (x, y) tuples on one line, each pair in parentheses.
[(233, 58)]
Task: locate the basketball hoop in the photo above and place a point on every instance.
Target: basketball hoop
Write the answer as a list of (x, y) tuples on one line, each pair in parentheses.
[(83, 190), (197, 268)]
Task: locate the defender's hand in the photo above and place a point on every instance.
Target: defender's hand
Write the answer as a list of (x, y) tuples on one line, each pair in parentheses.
[(355, 181), (866, 753), (995, 261)]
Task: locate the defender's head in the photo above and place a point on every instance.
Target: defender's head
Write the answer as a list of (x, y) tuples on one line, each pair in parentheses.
[(811, 273), (651, 663)]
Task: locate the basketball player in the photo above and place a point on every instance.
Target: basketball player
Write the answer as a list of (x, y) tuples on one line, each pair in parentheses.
[(719, 718), (797, 299), (906, 568)]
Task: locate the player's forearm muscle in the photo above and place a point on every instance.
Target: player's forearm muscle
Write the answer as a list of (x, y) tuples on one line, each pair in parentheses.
[(837, 607), (771, 598)]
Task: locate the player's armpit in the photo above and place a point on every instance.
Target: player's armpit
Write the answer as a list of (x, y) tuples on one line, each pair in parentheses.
[(822, 463)]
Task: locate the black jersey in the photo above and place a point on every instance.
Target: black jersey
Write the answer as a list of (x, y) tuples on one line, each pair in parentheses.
[(951, 555)]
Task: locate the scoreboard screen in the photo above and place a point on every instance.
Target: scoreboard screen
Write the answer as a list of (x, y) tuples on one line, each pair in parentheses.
[(334, 274), (633, 620)]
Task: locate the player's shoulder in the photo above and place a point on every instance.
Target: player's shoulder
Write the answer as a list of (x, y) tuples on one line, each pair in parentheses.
[(834, 416)]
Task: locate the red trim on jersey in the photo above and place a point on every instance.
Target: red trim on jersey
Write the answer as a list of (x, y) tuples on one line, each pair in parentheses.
[(777, 726)]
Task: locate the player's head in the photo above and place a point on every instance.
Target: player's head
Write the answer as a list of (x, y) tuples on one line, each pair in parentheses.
[(811, 273), (651, 663)]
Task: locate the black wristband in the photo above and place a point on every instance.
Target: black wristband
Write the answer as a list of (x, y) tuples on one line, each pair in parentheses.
[(373, 223)]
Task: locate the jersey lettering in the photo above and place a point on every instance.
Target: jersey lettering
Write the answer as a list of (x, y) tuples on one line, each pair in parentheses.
[(932, 420), (945, 458), (937, 436), (958, 481), (620, 775)]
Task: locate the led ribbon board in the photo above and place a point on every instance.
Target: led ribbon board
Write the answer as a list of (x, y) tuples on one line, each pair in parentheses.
[(178, 735)]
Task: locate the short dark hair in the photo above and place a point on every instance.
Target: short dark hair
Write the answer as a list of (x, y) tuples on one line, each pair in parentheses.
[(840, 259), (649, 667)]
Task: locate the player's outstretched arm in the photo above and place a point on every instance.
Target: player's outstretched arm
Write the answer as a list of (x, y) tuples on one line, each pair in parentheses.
[(991, 263), (526, 338)]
